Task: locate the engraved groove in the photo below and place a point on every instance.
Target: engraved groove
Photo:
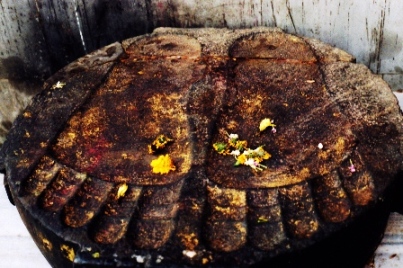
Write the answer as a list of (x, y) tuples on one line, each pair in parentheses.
[(331, 199), (113, 222), (45, 171), (359, 184), (87, 202), (62, 188), (191, 213)]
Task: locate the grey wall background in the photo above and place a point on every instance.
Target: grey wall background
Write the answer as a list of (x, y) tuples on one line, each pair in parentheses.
[(38, 37)]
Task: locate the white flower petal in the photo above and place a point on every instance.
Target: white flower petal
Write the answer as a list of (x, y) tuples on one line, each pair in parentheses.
[(320, 146)]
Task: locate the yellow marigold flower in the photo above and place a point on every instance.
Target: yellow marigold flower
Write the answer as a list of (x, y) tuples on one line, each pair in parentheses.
[(265, 123), (163, 164), (241, 145), (262, 154), (244, 155), (241, 159)]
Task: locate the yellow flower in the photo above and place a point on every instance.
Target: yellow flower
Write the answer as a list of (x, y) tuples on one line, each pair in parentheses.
[(262, 154), (262, 219), (121, 190), (244, 155), (240, 160), (241, 145), (159, 143), (265, 123), (150, 149), (220, 147), (163, 164)]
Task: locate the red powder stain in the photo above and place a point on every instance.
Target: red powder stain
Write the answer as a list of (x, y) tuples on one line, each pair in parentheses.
[(94, 153), (160, 5)]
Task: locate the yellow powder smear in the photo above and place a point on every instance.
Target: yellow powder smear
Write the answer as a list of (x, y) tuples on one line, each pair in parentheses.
[(68, 252)]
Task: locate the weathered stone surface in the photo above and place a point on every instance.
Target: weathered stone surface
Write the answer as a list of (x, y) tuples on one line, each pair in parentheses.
[(82, 159)]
